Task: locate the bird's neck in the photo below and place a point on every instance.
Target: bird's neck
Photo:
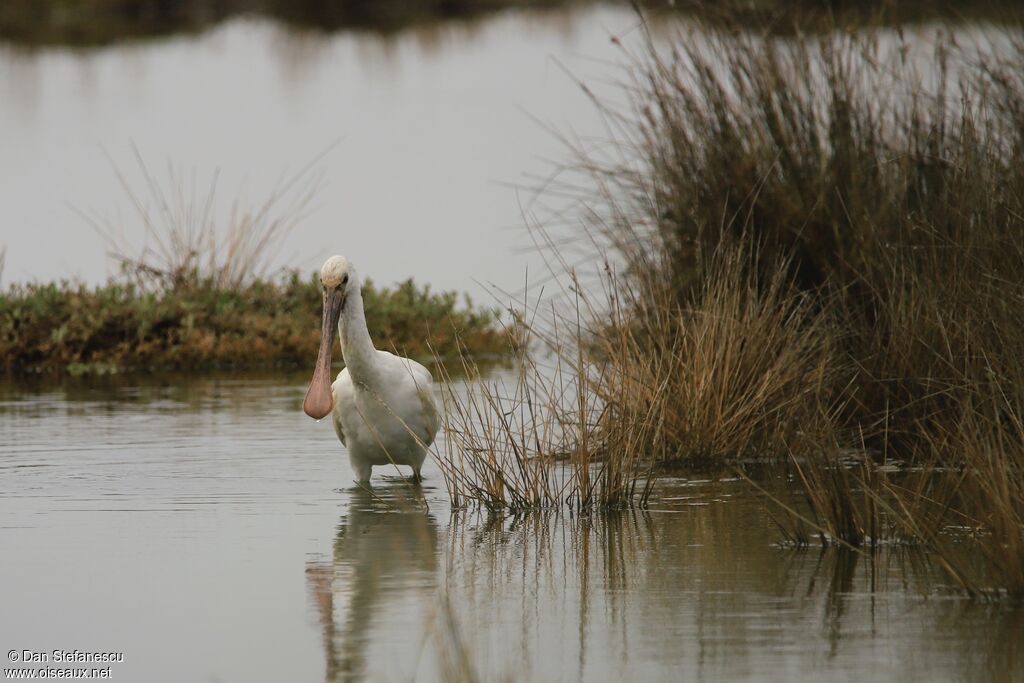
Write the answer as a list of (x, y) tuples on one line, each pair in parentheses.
[(356, 345)]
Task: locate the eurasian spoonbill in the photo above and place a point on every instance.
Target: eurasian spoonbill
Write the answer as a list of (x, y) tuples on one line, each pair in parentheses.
[(382, 405)]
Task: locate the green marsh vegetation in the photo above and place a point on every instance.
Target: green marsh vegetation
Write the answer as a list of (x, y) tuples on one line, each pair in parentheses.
[(199, 294), (71, 327), (813, 261)]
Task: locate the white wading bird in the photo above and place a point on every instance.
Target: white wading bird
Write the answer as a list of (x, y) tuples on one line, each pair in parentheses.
[(382, 405)]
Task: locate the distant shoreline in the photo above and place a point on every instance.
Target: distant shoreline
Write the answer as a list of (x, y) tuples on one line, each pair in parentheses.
[(99, 23), (96, 23)]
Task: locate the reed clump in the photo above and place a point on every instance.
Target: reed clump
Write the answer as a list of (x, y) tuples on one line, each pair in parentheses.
[(875, 210), (536, 439), (740, 368), (982, 497), (812, 256), (743, 371)]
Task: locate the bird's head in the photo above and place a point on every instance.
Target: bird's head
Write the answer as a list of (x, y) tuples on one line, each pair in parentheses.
[(337, 280), (337, 274)]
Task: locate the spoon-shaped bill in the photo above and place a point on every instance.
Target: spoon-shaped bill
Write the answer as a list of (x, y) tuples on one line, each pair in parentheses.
[(319, 399)]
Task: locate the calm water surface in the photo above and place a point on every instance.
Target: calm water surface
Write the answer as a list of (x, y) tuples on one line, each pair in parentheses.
[(210, 531), (429, 128)]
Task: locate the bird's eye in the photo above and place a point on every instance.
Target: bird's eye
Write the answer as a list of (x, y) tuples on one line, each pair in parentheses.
[(344, 280)]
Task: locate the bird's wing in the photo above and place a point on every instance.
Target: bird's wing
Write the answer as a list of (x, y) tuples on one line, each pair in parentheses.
[(422, 382), (431, 416), (337, 428), (425, 391)]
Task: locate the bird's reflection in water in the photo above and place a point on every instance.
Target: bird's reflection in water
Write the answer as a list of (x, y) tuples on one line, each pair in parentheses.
[(385, 558)]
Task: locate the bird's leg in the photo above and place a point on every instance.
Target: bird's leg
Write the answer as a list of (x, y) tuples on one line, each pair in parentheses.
[(362, 472), (417, 478)]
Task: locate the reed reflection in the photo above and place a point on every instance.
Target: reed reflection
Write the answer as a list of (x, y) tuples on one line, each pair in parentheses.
[(693, 589), (696, 590)]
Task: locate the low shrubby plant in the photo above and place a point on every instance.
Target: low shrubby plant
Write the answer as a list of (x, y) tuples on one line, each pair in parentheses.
[(265, 323)]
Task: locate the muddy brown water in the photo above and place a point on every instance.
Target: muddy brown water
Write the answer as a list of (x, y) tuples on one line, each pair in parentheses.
[(209, 531)]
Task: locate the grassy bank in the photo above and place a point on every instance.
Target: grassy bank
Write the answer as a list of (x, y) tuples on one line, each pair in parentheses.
[(801, 271), (198, 324)]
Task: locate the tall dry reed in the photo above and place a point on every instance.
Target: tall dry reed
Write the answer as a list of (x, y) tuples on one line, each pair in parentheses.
[(179, 237), (813, 256), (535, 439), (886, 182)]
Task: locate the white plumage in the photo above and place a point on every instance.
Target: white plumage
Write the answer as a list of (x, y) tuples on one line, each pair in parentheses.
[(382, 405)]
